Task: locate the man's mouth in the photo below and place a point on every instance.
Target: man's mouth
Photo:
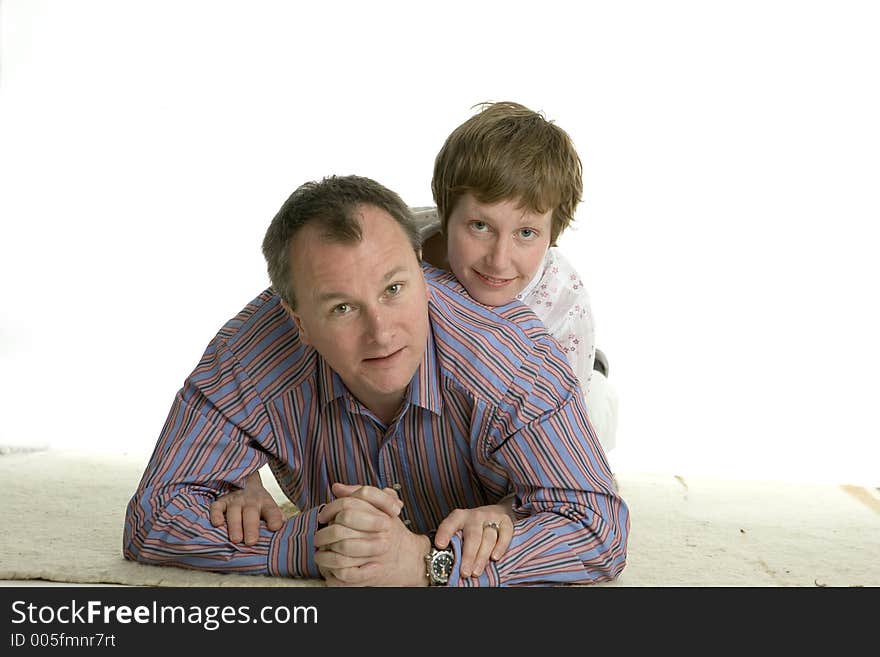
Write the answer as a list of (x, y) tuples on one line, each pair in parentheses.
[(381, 360)]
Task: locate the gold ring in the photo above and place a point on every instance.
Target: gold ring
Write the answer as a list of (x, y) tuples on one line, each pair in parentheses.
[(491, 525)]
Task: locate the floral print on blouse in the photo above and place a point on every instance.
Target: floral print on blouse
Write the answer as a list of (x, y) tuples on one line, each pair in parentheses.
[(559, 298)]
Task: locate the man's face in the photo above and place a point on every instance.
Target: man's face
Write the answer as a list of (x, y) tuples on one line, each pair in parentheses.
[(495, 249), (363, 307)]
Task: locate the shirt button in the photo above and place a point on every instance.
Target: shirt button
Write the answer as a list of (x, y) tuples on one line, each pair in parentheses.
[(396, 486), (407, 522)]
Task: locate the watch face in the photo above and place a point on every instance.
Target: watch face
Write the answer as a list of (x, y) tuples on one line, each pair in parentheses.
[(441, 566)]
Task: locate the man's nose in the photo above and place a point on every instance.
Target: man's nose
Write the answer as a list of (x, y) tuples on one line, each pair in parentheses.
[(378, 327)]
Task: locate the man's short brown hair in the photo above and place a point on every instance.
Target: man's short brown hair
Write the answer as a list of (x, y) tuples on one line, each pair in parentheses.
[(333, 203), (507, 151)]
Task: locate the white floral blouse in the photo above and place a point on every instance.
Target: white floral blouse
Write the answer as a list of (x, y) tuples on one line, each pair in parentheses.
[(559, 298)]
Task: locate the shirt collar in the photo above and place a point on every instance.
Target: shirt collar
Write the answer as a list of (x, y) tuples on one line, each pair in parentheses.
[(330, 385), (424, 389)]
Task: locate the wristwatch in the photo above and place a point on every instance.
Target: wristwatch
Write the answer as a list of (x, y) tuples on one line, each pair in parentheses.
[(439, 564)]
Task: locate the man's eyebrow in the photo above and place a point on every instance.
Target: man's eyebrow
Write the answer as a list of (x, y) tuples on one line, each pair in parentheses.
[(341, 296), (330, 296), (394, 272)]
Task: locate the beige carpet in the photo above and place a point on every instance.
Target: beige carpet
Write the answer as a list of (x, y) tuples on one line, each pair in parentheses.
[(62, 515)]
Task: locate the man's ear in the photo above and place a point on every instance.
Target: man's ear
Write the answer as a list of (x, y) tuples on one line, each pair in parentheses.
[(303, 334)]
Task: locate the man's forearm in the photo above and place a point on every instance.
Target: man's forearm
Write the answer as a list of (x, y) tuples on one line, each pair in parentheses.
[(179, 533), (577, 526), (174, 529), (551, 548)]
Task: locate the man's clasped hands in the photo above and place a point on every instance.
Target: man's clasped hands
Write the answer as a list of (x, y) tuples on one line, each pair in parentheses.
[(362, 540)]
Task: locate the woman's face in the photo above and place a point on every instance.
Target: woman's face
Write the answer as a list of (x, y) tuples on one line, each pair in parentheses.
[(496, 249)]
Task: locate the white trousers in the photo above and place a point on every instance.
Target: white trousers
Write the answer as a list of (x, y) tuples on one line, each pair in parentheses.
[(602, 409)]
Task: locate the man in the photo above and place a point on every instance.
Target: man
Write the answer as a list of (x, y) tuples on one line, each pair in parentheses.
[(383, 399)]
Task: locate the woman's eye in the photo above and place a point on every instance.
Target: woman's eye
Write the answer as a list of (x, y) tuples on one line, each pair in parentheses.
[(527, 233), (394, 290), (479, 226)]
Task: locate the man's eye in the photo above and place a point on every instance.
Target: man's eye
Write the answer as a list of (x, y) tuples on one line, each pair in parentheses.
[(527, 233), (394, 290), (341, 309)]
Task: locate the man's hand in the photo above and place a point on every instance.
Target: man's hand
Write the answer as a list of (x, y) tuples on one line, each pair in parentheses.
[(366, 543), (242, 510), (486, 533)]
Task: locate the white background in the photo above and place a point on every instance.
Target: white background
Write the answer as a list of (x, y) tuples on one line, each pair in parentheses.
[(728, 232)]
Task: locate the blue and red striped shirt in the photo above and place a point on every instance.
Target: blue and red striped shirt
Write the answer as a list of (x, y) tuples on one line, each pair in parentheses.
[(494, 408)]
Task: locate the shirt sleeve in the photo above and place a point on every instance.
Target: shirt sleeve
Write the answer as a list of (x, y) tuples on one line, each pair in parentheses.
[(215, 435), (574, 526)]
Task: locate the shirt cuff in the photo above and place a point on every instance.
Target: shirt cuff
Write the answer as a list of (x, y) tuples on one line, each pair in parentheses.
[(292, 550), (490, 577)]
